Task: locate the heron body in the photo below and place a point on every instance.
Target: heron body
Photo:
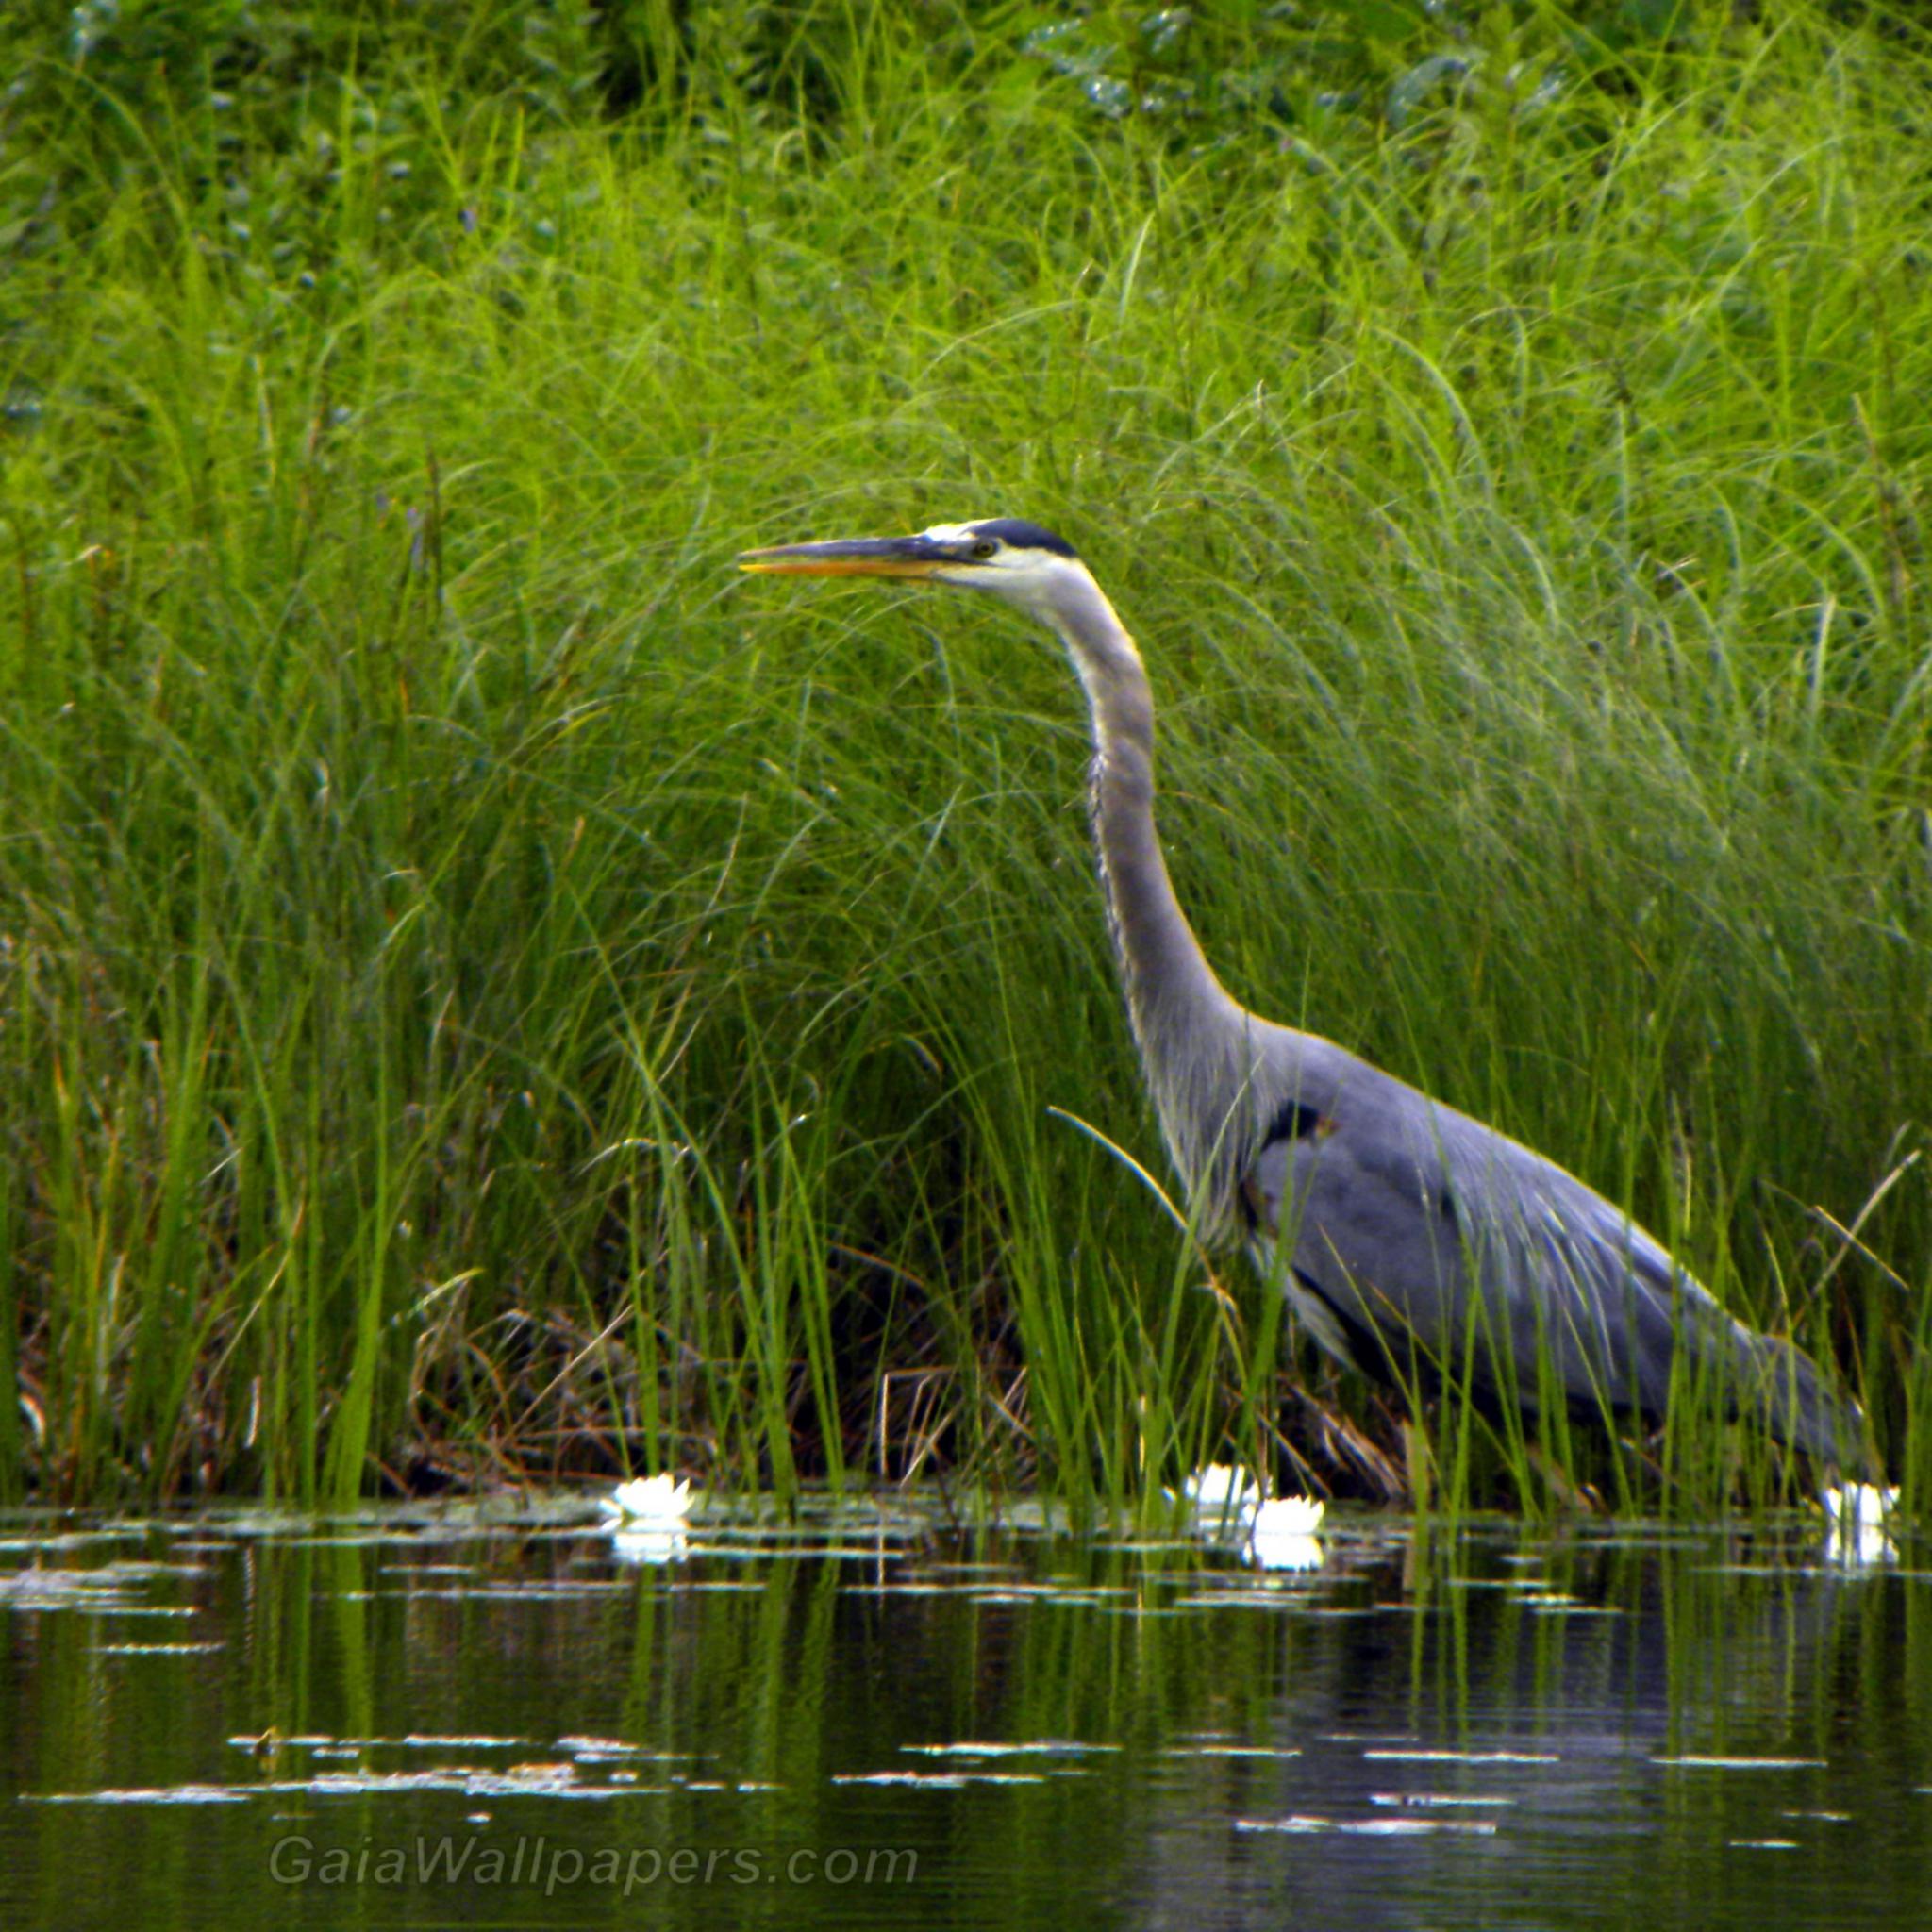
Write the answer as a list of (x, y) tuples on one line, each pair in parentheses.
[(1411, 1239)]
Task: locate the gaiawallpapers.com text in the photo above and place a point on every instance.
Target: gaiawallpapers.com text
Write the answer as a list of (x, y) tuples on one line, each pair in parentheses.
[(535, 1865)]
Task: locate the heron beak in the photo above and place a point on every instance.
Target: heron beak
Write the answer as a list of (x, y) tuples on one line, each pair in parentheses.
[(851, 556)]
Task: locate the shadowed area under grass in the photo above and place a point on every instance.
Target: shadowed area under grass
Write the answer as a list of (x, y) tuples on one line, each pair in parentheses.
[(481, 990)]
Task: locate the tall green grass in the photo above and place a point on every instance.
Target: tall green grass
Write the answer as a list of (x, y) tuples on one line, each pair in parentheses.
[(485, 992)]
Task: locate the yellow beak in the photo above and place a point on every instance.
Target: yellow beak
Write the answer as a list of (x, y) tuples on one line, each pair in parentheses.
[(852, 557)]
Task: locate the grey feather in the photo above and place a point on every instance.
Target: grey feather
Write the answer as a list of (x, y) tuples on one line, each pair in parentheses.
[(1418, 1241)]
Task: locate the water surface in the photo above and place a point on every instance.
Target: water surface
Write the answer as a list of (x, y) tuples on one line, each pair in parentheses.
[(500, 1714)]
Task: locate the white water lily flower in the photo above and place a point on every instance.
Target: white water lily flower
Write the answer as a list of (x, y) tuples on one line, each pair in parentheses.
[(649, 1499), (1859, 1512), (1288, 1552), (1282, 1516), (1858, 1506), (1234, 1510), (1222, 1491), (1282, 1533)]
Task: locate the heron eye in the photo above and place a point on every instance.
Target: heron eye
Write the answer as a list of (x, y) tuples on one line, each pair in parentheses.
[(985, 547)]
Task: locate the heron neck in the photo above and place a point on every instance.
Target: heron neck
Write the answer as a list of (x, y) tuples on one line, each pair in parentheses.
[(1188, 1028)]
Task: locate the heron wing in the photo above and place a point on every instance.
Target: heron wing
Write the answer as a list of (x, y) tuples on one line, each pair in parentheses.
[(1431, 1241)]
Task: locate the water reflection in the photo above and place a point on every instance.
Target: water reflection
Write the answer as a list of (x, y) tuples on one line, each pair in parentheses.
[(419, 1717)]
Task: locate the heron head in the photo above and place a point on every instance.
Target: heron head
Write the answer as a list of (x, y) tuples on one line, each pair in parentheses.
[(1014, 559)]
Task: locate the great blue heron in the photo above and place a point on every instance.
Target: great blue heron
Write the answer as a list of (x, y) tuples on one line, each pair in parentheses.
[(1411, 1239)]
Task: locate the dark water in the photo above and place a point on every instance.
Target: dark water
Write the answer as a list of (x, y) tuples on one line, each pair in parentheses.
[(496, 1717)]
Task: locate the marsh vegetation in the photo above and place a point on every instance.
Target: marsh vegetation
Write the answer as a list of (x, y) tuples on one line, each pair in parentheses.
[(481, 994)]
